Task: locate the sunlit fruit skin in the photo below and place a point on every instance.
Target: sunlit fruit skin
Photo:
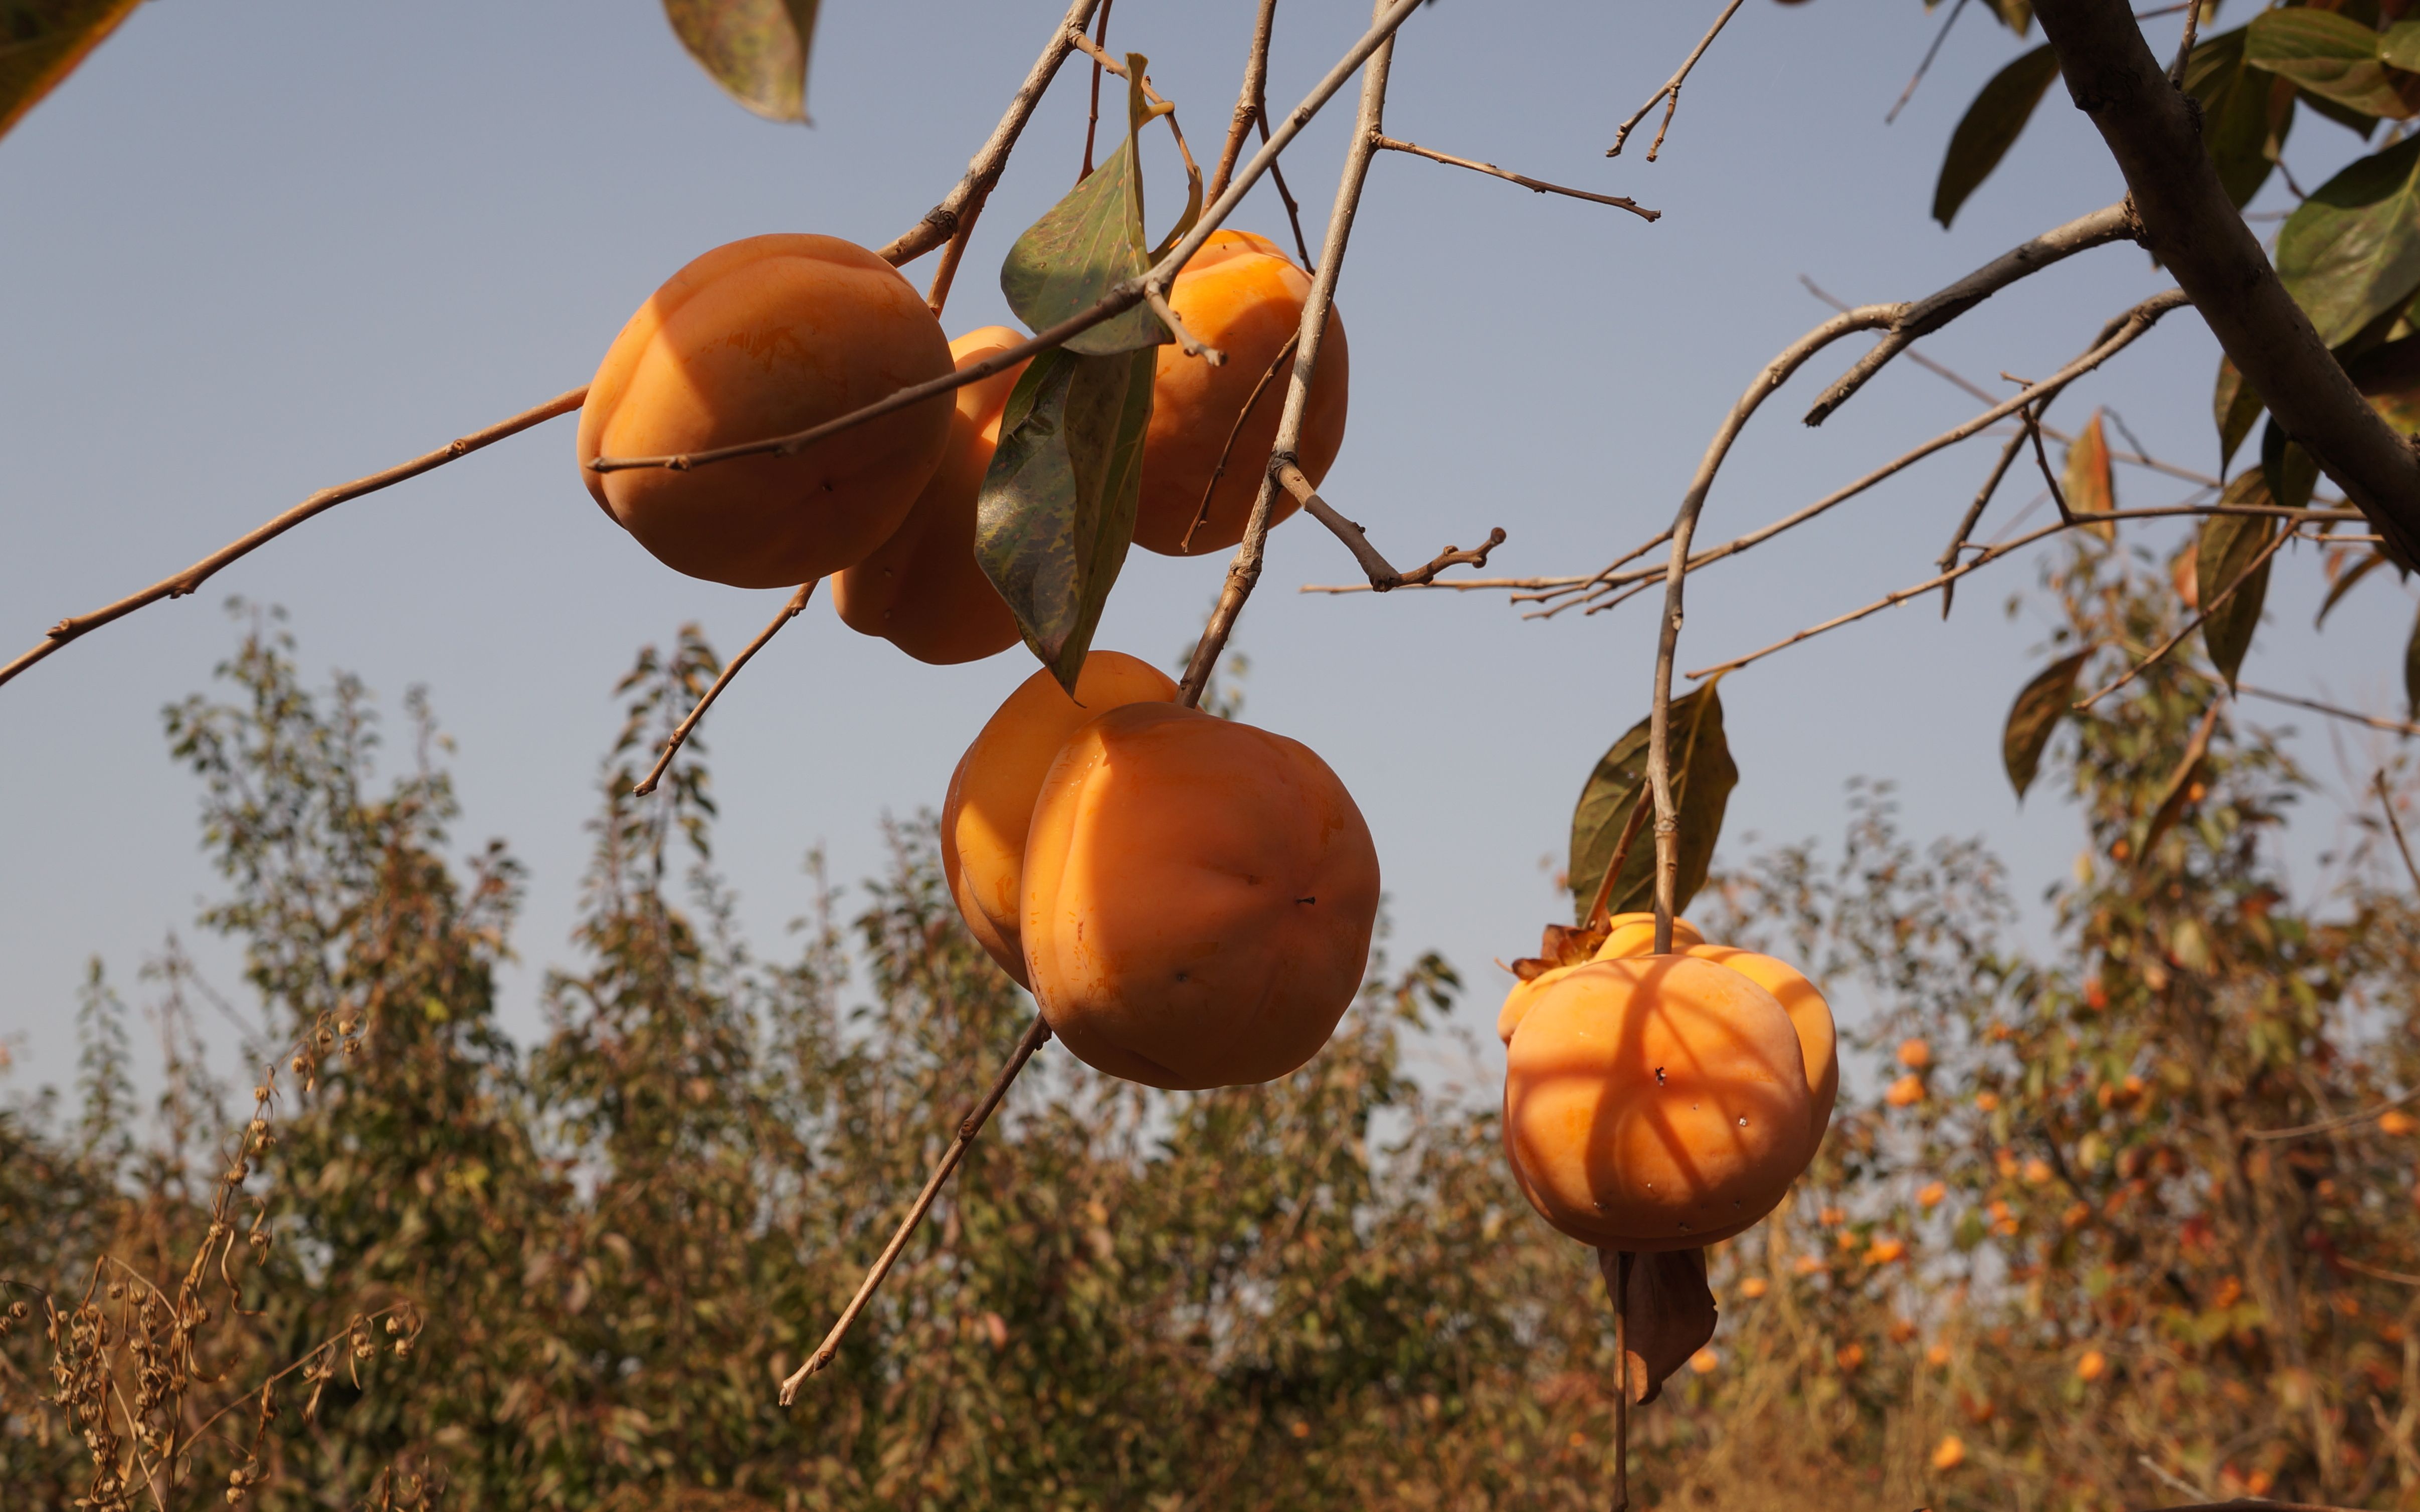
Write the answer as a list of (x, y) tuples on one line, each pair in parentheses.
[(922, 590), (990, 802), (1635, 934), (1657, 1103), (1199, 899), (1243, 295), (1524, 995), (758, 338), (1809, 1015)]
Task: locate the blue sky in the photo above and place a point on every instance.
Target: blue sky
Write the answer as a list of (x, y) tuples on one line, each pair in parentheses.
[(250, 250)]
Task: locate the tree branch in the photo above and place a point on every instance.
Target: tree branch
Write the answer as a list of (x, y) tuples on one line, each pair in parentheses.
[(2152, 131), (1535, 185), (192, 579), (681, 732), (1382, 574), (2393, 727), (1244, 570), (1918, 318), (1249, 98), (1671, 92), (2208, 607)]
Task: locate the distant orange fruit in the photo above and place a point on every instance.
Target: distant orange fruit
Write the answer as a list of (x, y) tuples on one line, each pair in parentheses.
[(2092, 1365), (1752, 1287), (1883, 1251), (1949, 1453), (1987, 1102), (1915, 1054), (2397, 1122), (759, 339), (1850, 1356), (1932, 1195), (1937, 1355), (1199, 899), (1906, 1092), (2038, 1172), (1705, 1361)]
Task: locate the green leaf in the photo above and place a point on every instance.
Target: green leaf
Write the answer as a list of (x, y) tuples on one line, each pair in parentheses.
[(1057, 510), (1991, 127), (2351, 252), (2246, 113), (2344, 584), (2411, 673), (2400, 46), (2291, 473), (2034, 717), (2016, 15), (1087, 244), (2235, 405), (2229, 544), (2334, 59), (755, 48), (1703, 777), (2389, 377), (2089, 483), (41, 41)]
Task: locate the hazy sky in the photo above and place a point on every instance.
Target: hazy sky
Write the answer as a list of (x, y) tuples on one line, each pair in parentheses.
[(253, 250)]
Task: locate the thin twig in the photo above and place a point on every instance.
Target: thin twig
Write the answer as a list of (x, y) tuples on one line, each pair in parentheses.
[(2395, 727), (1035, 1033), (1621, 1263), (192, 579), (1922, 69), (1093, 114), (2185, 44), (1244, 569), (2330, 1125), (1249, 99), (2208, 607), (2386, 801), (1671, 92), (1293, 209), (1277, 364), (1535, 185), (1383, 575), (1120, 299), (2032, 416), (680, 735), (1975, 514)]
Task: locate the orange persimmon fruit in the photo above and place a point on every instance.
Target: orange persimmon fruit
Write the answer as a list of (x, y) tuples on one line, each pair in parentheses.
[(1243, 295), (1656, 1103), (922, 590), (758, 338), (990, 802), (1199, 899)]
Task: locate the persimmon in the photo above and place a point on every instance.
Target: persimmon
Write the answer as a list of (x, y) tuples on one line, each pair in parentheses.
[(1810, 1015), (922, 590), (1199, 899), (758, 338), (1635, 934), (1244, 296), (1656, 1103), (990, 801)]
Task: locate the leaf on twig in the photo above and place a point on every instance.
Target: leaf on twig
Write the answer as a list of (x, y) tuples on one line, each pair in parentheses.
[(2090, 486), (2291, 473), (41, 41), (2235, 405), (2178, 792), (2246, 113), (2345, 581), (2332, 58), (1088, 244), (1057, 510), (1703, 776), (2034, 717), (1668, 1314), (1991, 127), (2350, 253), (755, 48), (2230, 544)]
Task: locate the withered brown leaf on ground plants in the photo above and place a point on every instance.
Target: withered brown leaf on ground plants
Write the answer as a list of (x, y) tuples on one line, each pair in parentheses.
[(1669, 1315), (41, 41), (755, 48), (1703, 776), (2034, 717)]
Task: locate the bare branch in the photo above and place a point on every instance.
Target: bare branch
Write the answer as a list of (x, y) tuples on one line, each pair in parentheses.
[(1122, 298), (192, 579), (2032, 416), (2386, 802), (1093, 111), (1250, 101), (965, 201), (1918, 318), (1975, 514), (1671, 92), (1926, 67), (1251, 402), (1293, 209), (2330, 1125), (1383, 575), (2208, 607), (1244, 569), (1031, 1040), (2152, 131), (1193, 344), (681, 733), (1535, 185)]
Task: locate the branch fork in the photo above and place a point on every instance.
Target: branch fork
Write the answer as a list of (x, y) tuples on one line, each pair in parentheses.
[(1288, 472)]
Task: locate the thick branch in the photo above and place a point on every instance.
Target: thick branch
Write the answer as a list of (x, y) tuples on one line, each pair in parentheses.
[(1536, 185), (965, 201), (192, 579), (1310, 332), (1919, 318), (2152, 131), (1382, 573)]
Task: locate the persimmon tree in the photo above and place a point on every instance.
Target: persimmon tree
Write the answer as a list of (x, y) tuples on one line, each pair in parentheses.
[(2320, 338)]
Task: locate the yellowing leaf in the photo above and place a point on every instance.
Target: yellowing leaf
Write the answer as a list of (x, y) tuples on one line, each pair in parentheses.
[(755, 48), (41, 41), (2089, 483)]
